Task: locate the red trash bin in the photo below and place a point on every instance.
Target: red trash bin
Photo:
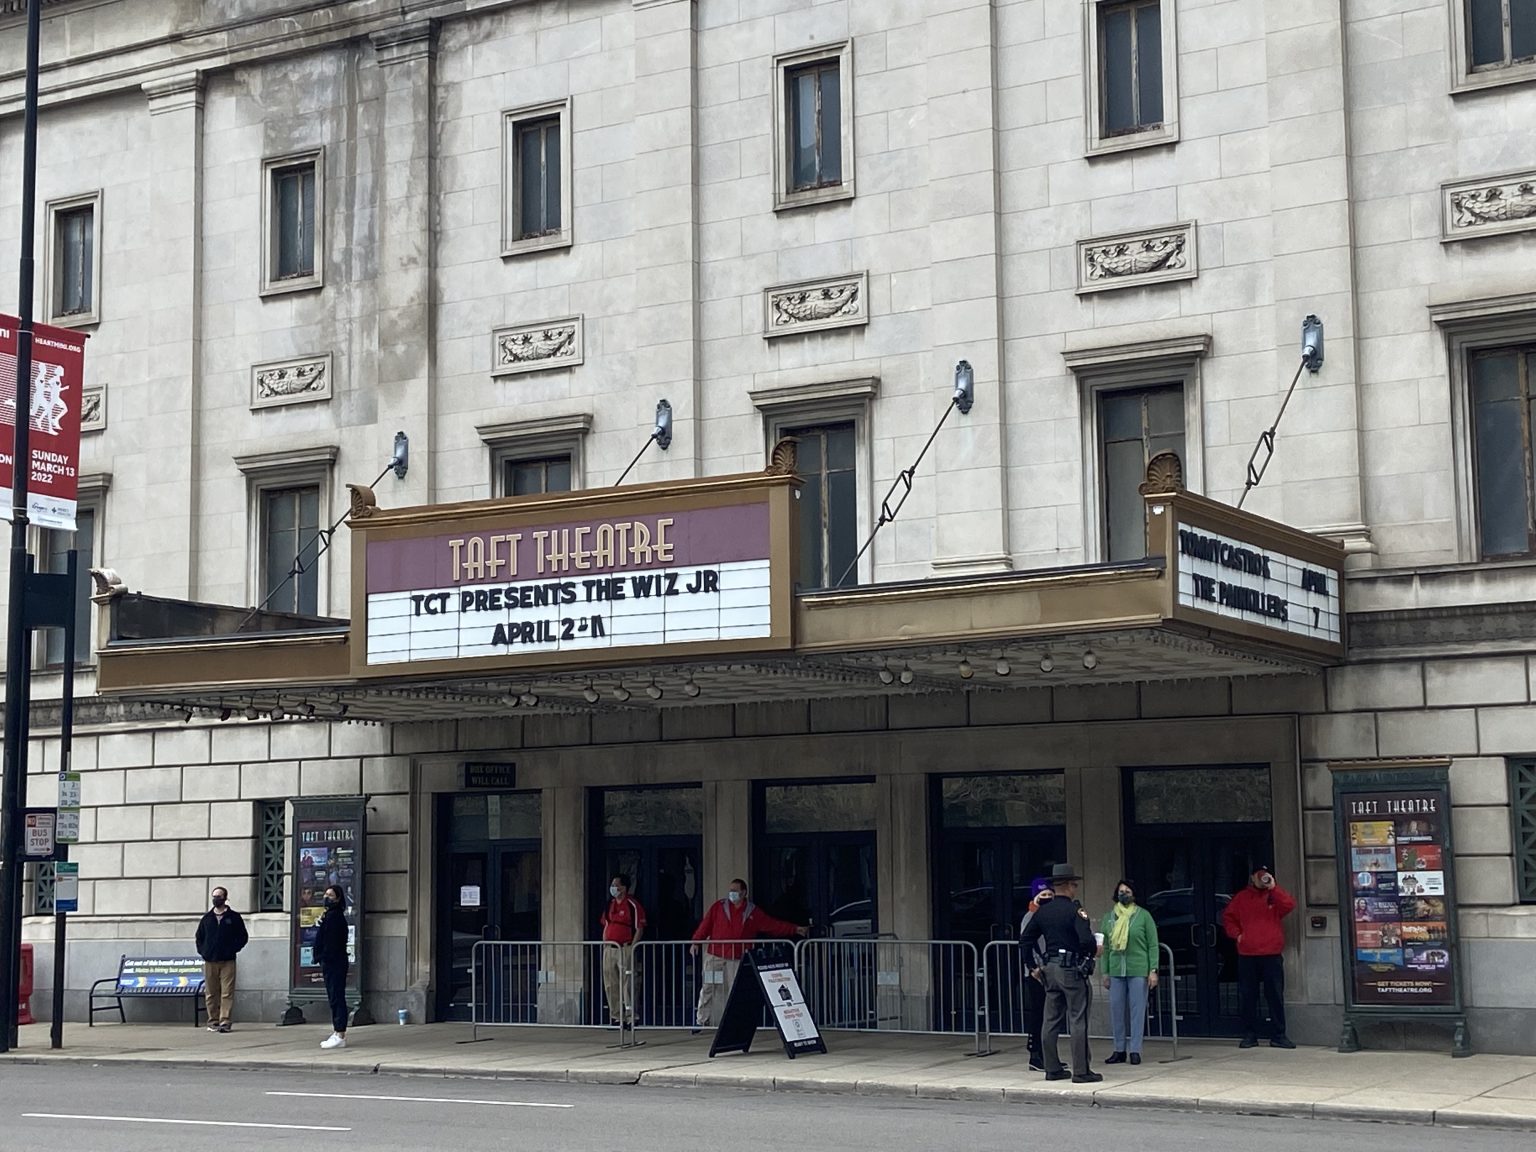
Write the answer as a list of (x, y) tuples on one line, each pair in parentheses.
[(24, 988)]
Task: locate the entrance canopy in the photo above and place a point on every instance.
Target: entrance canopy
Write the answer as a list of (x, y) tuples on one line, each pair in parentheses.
[(682, 594)]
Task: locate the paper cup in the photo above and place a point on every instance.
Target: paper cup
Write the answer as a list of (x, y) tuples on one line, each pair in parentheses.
[(1098, 938)]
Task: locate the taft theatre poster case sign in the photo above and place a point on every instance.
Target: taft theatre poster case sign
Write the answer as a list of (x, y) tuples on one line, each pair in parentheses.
[(329, 837), (1397, 895)]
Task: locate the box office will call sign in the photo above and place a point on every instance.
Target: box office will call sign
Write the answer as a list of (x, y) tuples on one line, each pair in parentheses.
[(1399, 908)]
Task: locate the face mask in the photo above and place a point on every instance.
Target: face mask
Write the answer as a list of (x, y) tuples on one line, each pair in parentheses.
[(332, 902), (1126, 898), (218, 901), (613, 890), (733, 897)]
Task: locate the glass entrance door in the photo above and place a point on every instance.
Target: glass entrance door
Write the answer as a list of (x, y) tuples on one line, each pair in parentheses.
[(815, 860), (488, 889), (1187, 869)]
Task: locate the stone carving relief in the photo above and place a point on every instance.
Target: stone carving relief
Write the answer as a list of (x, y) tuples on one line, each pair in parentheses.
[(93, 408), (816, 305), (539, 347), (1136, 259), (1489, 206), (304, 380)]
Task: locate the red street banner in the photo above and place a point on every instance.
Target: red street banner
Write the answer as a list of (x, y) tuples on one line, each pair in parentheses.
[(58, 374)]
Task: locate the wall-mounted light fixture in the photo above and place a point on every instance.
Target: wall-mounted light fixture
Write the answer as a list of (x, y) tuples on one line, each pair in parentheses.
[(965, 387), (661, 435)]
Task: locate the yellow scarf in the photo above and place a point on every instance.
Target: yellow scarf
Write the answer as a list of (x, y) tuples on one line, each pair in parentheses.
[(1120, 931)]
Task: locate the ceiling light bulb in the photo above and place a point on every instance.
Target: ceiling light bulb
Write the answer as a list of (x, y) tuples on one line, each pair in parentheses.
[(529, 700), (224, 713), (1090, 661), (252, 714), (965, 670), (621, 693), (690, 689), (653, 690), (887, 676), (906, 674), (589, 693), (1003, 667), (1046, 663)]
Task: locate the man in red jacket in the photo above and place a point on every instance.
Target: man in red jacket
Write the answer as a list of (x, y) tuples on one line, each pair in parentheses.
[(1252, 918), (733, 919)]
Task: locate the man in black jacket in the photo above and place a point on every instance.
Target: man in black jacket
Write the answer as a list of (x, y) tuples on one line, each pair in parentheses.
[(220, 936), (1070, 949)]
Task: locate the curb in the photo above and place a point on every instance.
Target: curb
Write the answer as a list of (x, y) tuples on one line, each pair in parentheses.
[(670, 1078)]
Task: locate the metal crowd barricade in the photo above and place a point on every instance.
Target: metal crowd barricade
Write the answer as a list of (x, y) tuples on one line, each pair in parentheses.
[(1004, 1010), (670, 975), (555, 984), (925, 987)]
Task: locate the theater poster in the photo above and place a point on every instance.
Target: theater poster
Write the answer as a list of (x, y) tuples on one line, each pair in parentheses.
[(329, 837), (1397, 892)]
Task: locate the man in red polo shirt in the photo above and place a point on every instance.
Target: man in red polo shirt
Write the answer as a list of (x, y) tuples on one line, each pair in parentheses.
[(623, 924), (733, 919)]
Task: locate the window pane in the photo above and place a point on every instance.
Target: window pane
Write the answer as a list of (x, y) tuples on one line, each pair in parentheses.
[(1201, 796), (551, 136), (811, 520), (1122, 416), (1115, 51), (306, 241), (1503, 487), (802, 129), (1165, 411), (1522, 29), (557, 476), (791, 808), (840, 447), (842, 527), (525, 478), (1149, 65), (831, 126), (1124, 510), (1004, 801), (1485, 31), (294, 193), (76, 244), (653, 812), (530, 166)]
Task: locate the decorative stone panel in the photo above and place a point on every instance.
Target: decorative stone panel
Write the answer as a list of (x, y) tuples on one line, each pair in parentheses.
[(1488, 206), (539, 347), (93, 408), (303, 380), (1137, 259), (816, 305)]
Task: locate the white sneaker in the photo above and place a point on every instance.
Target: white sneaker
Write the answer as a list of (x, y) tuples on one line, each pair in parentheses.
[(334, 1041)]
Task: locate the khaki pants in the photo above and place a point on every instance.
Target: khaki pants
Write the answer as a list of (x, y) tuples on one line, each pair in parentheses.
[(219, 989), (621, 981), (715, 987)]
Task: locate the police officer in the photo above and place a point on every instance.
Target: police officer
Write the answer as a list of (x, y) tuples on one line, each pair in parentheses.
[(1069, 949)]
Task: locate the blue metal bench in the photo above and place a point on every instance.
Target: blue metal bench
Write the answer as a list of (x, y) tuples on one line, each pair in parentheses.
[(153, 976)]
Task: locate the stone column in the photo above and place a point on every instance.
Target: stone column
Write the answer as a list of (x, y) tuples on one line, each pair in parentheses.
[(562, 998), (403, 290), (666, 242), (970, 496), (1314, 481), (163, 548), (727, 836)]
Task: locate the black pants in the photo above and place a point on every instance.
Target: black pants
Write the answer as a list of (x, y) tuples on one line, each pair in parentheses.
[(1251, 972), (336, 995), (1034, 1014)]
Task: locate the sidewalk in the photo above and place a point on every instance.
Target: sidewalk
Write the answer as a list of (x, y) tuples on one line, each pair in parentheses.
[(1212, 1076)]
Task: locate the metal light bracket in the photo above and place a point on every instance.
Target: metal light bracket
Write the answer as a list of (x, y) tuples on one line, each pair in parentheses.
[(400, 462)]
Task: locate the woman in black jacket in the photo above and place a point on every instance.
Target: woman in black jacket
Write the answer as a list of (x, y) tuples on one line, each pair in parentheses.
[(331, 955)]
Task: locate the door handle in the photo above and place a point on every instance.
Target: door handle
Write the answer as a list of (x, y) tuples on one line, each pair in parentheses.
[(1215, 935), (1194, 935)]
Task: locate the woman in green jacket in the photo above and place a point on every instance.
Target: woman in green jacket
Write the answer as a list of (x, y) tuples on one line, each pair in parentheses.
[(1130, 968)]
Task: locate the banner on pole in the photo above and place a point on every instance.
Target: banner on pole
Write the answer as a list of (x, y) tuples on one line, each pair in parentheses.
[(58, 376)]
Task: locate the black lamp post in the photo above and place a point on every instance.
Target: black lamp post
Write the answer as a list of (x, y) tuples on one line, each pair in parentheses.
[(12, 794)]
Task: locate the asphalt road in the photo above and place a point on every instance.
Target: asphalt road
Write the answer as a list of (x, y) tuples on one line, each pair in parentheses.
[(128, 1109)]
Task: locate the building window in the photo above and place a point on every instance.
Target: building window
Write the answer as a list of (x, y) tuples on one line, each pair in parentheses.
[(814, 117), (531, 457), (1522, 800), (1500, 33), (1134, 426), (1133, 100), (1500, 383), (73, 258), (290, 533), (294, 218), (271, 844), (537, 476), (826, 459), (54, 558), (537, 199), (289, 493)]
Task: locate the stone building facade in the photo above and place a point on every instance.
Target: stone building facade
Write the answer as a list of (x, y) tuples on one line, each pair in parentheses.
[(509, 229)]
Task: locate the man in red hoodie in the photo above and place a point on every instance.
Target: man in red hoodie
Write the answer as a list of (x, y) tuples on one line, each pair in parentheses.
[(733, 919), (1252, 918)]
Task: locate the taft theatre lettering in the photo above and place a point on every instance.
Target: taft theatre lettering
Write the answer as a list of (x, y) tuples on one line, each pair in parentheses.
[(1239, 580)]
